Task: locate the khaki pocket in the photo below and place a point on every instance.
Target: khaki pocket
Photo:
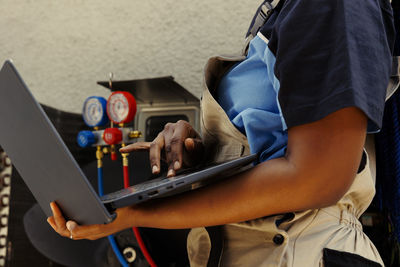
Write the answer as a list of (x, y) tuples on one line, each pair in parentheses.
[(223, 141)]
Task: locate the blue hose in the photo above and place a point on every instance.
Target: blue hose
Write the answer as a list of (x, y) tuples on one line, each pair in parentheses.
[(111, 238), (100, 180)]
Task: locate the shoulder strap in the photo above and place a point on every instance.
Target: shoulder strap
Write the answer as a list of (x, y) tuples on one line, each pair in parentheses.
[(263, 13)]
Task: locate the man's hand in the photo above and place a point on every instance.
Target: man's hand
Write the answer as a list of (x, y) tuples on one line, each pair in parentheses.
[(75, 231), (179, 144)]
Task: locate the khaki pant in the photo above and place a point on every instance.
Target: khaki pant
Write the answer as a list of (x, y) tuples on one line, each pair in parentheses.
[(296, 239)]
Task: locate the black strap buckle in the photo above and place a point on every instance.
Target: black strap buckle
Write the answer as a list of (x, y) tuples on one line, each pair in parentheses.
[(262, 16)]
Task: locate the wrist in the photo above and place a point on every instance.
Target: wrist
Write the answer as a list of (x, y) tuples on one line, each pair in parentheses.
[(130, 216)]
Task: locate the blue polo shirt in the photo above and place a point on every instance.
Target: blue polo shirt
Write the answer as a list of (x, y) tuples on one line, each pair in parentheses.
[(311, 58)]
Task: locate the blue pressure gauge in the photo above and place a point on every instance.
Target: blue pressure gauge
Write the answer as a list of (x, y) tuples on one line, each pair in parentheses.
[(95, 111), (86, 139)]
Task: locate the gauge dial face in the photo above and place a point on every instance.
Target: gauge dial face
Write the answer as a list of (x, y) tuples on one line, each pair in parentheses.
[(94, 111), (121, 107)]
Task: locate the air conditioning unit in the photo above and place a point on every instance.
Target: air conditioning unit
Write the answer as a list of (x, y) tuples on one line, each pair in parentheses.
[(159, 101)]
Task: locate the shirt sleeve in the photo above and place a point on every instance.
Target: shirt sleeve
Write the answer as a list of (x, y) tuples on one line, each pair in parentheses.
[(332, 54)]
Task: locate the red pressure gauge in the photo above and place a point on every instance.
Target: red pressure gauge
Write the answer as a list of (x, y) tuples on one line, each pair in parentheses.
[(121, 107)]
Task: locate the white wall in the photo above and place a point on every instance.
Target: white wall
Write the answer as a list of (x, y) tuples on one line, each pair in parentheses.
[(61, 48)]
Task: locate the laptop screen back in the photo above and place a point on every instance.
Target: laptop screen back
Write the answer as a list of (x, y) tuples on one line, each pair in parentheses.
[(41, 157)]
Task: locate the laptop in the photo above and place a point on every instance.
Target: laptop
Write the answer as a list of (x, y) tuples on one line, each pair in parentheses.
[(52, 174)]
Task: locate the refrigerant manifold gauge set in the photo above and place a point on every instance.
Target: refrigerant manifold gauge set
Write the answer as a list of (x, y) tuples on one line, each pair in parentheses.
[(119, 109)]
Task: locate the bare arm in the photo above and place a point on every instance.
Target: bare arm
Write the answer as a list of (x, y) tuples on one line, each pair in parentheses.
[(320, 164)]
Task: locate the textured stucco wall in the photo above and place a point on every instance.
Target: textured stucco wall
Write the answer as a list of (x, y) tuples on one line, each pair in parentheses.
[(63, 47)]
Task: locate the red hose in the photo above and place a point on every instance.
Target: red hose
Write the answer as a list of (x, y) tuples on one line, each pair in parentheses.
[(143, 247), (136, 232), (126, 176)]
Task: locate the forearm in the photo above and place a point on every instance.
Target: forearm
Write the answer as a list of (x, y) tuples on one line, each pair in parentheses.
[(249, 195), (270, 188)]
